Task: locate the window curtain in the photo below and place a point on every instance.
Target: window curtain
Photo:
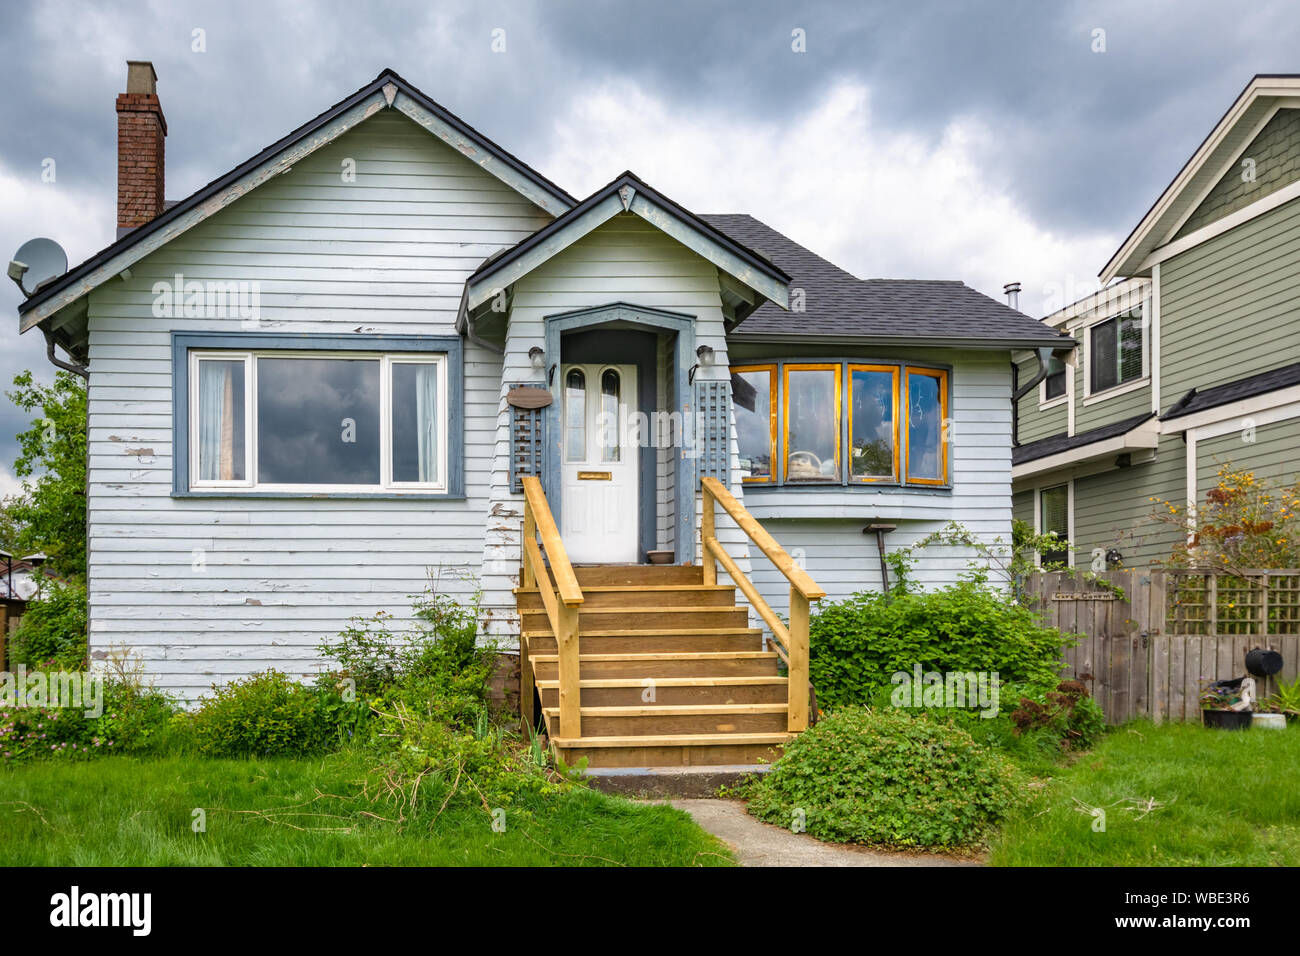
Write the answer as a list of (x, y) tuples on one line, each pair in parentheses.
[(216, 421), (426, 421)]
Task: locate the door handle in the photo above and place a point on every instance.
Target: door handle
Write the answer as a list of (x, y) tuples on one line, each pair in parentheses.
[(595, 476)]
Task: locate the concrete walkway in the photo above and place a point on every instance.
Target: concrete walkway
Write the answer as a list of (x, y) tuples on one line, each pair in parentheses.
[(761, 844)]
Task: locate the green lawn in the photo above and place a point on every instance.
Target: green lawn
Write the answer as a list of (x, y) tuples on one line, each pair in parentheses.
[(120, 811), (1220, 799)]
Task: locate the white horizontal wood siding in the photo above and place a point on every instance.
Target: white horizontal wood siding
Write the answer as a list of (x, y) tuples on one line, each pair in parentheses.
[(387, 253)]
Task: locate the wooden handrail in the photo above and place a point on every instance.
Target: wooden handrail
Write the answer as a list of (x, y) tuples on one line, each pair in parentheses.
[(796, 575), (791, 641), (561, 602), (566, 582)]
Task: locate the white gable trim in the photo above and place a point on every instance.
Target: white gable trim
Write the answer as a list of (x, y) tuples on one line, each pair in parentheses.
[(627, 198), (476, 154), (1168, 208), (1220, 226)]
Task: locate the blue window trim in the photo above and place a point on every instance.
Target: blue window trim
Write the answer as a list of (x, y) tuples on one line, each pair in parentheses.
[(183, 342), (685, 480)]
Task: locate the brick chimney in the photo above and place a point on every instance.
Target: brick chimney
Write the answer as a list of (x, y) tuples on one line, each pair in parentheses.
[(141, 129)]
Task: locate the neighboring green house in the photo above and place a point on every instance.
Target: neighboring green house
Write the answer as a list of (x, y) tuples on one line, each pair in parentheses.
[(1187, 359)]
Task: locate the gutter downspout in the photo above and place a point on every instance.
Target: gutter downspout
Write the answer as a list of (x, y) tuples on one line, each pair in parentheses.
[(880, 530), (58, 362), (1043, 355)]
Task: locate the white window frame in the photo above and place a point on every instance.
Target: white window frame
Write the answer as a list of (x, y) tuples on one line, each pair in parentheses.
[(1089, 396), (1044, 403), (1069, 518), (385, 360)]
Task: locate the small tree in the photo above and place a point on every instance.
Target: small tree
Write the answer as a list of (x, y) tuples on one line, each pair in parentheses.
[(50, 514), (1246, 522)]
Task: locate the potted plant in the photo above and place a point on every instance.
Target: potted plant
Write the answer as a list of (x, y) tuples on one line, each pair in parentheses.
[(1226, 703), (1286, 701)]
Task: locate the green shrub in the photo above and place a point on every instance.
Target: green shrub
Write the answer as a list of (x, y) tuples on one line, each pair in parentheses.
[(52, 632), (886, 778), (28, 733), (436, 669), (266, 715), (1036, 745), (856, 645), (136, 719), (1065, 710)]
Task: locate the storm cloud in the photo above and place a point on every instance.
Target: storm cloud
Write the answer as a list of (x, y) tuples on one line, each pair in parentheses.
[(979, 141)]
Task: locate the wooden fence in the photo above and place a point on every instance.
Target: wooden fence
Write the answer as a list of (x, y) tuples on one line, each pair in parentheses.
[(1149, 639)]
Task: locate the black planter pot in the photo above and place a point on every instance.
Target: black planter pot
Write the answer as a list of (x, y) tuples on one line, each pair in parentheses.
[(1227, 719)]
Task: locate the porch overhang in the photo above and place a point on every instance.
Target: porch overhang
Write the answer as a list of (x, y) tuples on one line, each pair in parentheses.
[(628, 194), (1141, 433)]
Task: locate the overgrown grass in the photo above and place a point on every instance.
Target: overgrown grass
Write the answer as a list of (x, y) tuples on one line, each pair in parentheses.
[(122, 811), (1174, 795)]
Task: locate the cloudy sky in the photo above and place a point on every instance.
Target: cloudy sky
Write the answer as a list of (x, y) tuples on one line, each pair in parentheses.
[(985, 141)]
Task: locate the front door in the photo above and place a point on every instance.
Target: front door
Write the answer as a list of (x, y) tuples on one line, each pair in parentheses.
[(600, 510)]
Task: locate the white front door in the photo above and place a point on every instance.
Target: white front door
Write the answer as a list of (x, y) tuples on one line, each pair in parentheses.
[(600, 500)]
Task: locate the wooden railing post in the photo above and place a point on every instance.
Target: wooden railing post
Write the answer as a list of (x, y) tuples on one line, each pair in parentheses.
[(797, 684), (529, 576), (566, 639), (708, 533), (561, 600)]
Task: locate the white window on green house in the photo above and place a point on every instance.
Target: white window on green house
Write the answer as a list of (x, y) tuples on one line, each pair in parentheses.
[(1054, 383), (1115, 352), (1054, 518)]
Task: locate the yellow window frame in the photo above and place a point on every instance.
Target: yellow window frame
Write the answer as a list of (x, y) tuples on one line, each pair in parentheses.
[(942, 376), (772, 407), (893, 370), (786, 369)]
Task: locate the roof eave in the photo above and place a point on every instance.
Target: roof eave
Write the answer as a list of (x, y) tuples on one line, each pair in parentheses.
[(833, 338)]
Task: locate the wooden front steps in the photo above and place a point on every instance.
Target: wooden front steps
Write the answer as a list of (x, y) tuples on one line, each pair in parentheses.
[(670, 672)]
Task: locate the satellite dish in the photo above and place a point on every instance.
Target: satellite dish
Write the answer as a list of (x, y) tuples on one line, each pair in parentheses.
[(36, 263)]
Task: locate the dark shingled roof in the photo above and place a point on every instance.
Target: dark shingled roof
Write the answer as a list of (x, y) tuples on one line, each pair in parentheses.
[(1055, 444), (1248, 387), (839, 304)]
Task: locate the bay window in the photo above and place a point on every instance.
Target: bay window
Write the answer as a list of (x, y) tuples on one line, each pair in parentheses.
[(317, 421), (756, 420), (873, 423), (812, 423), (841, 423)]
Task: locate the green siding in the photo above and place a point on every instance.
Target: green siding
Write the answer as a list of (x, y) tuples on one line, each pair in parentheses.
[(1276, 152), (1022, 506), (1274, 455), (1230, 307), (1107, 410), (1035, 424), (1113, 509)]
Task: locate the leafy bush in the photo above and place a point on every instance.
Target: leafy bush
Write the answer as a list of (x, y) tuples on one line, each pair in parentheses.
[(267, 714), (52, 632), (51, 732), (136, 719), (1245, 522), (884, 777), (1034, 725), (438, 669), (1067, 712), (858, 643)]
